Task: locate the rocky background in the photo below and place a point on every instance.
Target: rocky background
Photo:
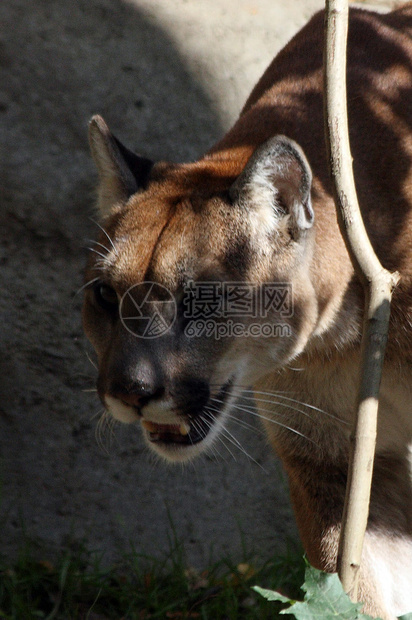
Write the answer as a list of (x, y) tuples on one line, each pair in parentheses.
[(169, 76)]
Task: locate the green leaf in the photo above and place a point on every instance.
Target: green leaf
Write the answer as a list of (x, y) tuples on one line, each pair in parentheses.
[(271, 595), (406, 617), (324, 599)]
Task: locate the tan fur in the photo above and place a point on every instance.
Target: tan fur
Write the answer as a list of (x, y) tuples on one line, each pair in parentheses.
[(260, 210)]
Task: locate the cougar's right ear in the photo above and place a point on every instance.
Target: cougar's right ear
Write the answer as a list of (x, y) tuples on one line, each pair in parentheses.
[(278, 177), (121, 172)]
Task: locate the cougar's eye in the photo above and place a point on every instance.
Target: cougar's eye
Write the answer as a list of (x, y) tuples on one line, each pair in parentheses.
[(105, 296)]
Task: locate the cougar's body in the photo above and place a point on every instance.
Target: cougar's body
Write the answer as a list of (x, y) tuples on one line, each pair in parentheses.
[(258, 209)]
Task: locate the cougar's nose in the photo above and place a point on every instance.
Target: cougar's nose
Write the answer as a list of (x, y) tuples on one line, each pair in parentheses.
[(138, 394)]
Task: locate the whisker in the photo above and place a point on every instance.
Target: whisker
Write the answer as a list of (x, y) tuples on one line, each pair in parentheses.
[(111, 424), (289, 399), (91, 361), (220, 438), (197, 426), (83, 375), (228, 435), (279, 404), (86, 285), (104, 256), (102, 425), (242, 390), (244, 424), (204, 433), (236, 443), (258, 415), (107, 428), (99, 244), (227, 447), (98, 413), (214, 453), (248, 388), (106, 233), (211, 447)]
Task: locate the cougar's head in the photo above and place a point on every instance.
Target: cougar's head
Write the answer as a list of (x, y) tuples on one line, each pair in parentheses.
[(198, 283)]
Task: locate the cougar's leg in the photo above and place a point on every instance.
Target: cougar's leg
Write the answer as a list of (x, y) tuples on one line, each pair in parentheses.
[(318, 492)]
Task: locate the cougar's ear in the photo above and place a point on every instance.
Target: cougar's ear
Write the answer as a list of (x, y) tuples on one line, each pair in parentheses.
[(121, 172), (278, 175)]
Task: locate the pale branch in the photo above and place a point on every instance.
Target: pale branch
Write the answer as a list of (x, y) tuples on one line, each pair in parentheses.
[(378, 285)]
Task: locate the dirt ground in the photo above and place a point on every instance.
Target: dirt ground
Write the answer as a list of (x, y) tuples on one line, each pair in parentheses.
[(169, 76)]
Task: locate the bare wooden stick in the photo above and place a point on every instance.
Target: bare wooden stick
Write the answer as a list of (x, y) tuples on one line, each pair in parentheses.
[(378, 285)]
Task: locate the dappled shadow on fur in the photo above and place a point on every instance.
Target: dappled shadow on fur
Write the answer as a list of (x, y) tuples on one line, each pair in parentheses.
[(380, 117)]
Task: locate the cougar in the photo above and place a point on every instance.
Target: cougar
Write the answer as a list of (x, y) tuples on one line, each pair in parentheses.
[(230, 272)]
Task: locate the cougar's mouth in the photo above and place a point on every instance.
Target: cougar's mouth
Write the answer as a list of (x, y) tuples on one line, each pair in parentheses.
[(191, 431), (167, 432)]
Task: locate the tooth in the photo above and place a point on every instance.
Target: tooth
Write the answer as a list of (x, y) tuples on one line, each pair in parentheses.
[(184, 429), (149, 426)]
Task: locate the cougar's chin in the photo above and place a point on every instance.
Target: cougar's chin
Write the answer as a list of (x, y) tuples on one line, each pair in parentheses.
[(190, 437)]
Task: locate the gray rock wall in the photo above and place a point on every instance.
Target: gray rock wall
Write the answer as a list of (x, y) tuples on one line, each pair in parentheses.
[(169, 76)]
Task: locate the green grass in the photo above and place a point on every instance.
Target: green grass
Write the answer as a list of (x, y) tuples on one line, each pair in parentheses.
[(76, 586)]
